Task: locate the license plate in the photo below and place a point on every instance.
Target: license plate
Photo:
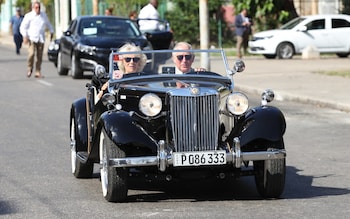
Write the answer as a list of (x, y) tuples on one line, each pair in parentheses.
[(199, 158)]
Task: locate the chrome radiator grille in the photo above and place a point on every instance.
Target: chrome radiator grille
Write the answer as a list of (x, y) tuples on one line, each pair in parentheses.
[(195, 122)]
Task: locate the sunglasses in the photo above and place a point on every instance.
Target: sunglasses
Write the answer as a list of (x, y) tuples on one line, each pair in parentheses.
[(135, 59), (187, 57)]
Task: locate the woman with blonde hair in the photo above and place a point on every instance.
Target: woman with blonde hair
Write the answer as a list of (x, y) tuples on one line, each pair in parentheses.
[(128, 63)]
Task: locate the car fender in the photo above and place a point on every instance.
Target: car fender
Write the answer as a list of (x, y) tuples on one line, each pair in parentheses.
[(264, 122), (124, 132), (78, 112)]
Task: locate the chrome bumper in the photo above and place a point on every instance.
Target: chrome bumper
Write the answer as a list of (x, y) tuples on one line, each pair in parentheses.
[(164, 159)]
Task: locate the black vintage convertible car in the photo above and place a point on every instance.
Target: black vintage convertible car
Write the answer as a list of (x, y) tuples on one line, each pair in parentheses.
[(89, 41), (173, 126)]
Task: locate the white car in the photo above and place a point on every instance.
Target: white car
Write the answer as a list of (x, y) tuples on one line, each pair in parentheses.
[(326, 33)]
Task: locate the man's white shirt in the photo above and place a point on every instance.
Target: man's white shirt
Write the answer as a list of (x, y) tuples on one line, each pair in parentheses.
[(34, 25), (148, 12)]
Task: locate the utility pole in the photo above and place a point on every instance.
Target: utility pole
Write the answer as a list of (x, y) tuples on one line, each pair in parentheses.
[(204, 32), (314, 7), (95, 7)]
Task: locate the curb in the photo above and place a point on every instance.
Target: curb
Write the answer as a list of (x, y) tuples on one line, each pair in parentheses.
[(280, 96)]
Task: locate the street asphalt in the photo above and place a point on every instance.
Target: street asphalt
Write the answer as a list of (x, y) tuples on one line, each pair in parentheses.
[(295, 79)]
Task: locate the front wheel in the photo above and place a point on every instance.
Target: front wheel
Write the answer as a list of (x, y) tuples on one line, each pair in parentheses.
[(285, 51), (77, 73), (270, 177), (79, 169), (60, 69), (113, 180), (342, 55), (269, 56)]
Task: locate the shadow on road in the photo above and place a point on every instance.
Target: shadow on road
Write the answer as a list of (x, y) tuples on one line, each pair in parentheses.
[(297, 187)]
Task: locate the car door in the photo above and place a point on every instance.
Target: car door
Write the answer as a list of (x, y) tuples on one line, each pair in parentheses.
[(339, 32), (67, 43), (312, 33)]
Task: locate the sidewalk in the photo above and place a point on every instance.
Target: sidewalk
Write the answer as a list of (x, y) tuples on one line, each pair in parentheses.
[(295, 79), (7, 40)]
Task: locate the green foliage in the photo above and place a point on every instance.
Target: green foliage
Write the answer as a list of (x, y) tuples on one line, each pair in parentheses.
[(25, 5), (267, 14), (184, 20), (123, 7)]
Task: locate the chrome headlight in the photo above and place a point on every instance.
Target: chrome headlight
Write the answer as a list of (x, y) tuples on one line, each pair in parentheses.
[(100, 71), (91, 50), (108, 99), (150, 104), (256, 38), (53, 46), (237, 103)]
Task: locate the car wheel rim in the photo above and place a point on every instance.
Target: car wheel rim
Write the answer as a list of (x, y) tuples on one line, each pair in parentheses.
[(103, 161), (73, 65), (73, 147), (59, 62), (286, 51)]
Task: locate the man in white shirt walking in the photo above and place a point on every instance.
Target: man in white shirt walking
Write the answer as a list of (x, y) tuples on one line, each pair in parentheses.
[(33, 29), (149, 12)]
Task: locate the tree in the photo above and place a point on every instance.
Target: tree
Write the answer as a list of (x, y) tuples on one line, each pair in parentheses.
[(184, 20), (27, 6), (123, 7), (346, 7), (267, 14)]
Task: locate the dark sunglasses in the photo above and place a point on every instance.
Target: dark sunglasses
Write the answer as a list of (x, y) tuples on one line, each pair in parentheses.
[(135, 59), (187, 57)]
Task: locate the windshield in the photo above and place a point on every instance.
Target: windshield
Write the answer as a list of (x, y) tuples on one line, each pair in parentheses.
[(291, 24), (164, 68), (107, 27)]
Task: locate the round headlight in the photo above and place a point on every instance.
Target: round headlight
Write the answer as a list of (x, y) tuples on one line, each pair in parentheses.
[(108, 99), (237, 103), (150, 104), (53, 46)]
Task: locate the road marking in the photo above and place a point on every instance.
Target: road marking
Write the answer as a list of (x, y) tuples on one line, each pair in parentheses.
[(45, 83)]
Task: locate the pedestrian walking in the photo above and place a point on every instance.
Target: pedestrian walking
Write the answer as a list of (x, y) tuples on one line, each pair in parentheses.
[(15, 23), (149, 17), (33, 29), (243, 31)]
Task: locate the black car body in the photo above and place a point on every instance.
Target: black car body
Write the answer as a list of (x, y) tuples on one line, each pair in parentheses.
[(90, 39), (164, 125)]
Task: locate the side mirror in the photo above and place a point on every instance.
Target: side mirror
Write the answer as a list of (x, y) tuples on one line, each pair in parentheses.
[(148, 35), (238, 66), (302, 29), (67, 33), (100, 71), (267, 96)]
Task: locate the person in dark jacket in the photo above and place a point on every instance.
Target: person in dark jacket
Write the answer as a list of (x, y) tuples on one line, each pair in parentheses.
[(15, 23), (243, 30)]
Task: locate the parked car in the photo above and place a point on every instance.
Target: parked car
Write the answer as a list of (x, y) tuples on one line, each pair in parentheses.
[(167, 126), (326, 33), (90, 39)]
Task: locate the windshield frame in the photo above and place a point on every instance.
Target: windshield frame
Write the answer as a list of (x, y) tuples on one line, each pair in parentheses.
[(141, 77), (292, 23)]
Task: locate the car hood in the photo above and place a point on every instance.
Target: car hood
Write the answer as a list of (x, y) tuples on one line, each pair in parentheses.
[(270, 33), (110, 42)]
